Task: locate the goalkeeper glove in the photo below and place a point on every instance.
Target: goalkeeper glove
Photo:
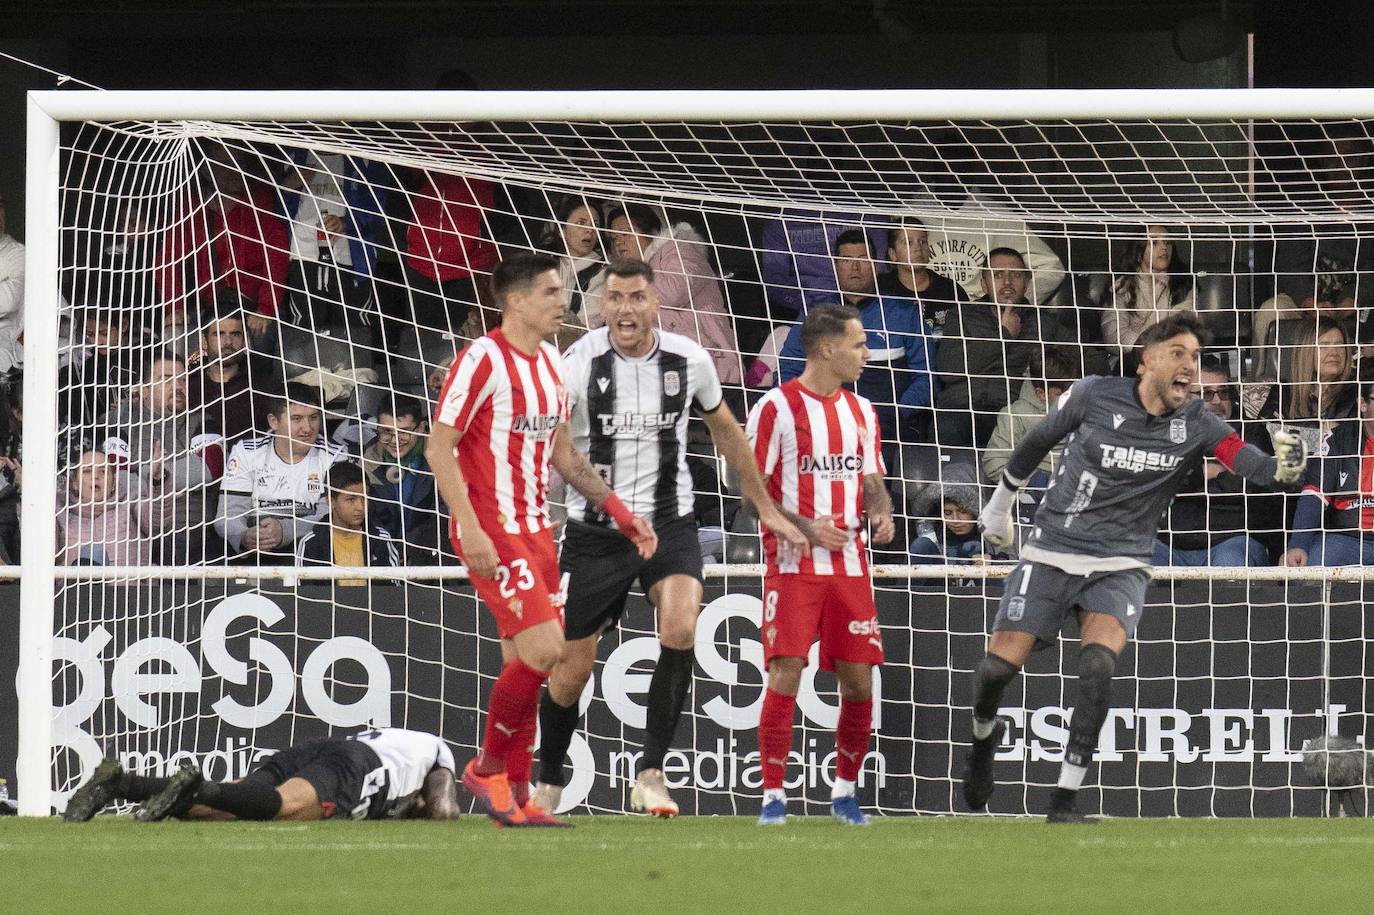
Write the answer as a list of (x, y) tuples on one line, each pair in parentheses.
[(1290, 452), (995, 520)]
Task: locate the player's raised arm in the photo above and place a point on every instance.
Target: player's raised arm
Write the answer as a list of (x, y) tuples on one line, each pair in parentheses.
[(730, 441), (1063, 418), (1285, 467), (578, 472)]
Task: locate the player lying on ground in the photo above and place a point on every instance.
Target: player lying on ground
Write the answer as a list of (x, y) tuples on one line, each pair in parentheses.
[(1130, 446), (818, 446), (499, 425), (631, 391), (382, 773)]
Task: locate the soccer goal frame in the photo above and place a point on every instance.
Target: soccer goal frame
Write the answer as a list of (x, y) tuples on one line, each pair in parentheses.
[(47, 111)]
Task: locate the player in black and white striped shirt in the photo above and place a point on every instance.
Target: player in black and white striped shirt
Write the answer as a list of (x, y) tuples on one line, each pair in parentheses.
[(379, 773), (631, 391)]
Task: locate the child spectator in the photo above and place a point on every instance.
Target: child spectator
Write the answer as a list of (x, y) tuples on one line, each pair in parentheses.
[(99, 524), (348, 539), (956, 537)]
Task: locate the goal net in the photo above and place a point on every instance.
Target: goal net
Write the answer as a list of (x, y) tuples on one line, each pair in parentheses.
[(243, 293)]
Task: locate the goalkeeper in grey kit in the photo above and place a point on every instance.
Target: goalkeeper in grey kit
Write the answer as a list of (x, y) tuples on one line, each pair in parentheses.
[(1130, 444)]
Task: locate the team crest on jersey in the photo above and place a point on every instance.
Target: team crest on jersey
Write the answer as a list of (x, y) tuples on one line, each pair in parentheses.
[(1016, 608), (1178, 430), (313, 484), (672, 384)]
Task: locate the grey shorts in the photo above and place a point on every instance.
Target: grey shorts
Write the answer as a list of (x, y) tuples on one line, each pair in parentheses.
[(1039, 598)]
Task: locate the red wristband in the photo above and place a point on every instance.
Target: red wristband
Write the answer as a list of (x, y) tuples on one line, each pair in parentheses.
[(620, 515)]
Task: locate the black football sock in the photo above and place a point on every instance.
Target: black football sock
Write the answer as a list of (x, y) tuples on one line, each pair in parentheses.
[(556, 726), (990, 680), (245, 800), (140, 787), (667, 695), (1096, 664)]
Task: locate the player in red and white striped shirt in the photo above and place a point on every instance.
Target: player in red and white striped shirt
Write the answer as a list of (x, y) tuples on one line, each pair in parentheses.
[(817, 444), (499, 424)]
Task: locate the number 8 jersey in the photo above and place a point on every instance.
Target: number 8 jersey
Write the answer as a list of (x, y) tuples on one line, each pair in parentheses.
[(814, 453)]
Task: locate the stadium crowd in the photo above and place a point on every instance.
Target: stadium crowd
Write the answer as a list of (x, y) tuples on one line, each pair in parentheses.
[(297, 318)]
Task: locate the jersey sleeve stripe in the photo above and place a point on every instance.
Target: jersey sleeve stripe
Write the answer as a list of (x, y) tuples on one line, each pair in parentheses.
[(467, 386)]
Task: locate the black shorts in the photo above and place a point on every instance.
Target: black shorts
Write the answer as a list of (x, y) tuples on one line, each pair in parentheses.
[(337, 768), (1039, 599), (602, 566)]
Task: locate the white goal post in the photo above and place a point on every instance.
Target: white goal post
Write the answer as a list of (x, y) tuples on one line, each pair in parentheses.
[(181, 113)]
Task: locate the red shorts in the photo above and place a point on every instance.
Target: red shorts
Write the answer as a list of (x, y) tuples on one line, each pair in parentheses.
[(527, 589), (837, 608)]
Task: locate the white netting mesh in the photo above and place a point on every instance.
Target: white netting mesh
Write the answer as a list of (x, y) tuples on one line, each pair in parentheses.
[(352, 257)]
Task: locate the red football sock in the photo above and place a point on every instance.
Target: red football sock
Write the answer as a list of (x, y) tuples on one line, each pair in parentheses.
[(775, 736), (520, 759), (851, 737), (514, 702)]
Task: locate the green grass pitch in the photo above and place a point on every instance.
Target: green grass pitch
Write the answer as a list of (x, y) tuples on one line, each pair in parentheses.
[(718, 865)]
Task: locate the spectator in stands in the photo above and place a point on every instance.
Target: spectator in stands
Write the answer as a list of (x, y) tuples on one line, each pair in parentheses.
[(1333, 525), (447, 253), (102, 518), (11, 298), (794, 259), (986, 350), (400, 486), (691, 301), (1051, 374), (334, 205), (273, 487), (1315, 388), (1151, 281), (1278, 319), (1208, 522), (897, 376), (174, 459), (961, 248), (908, 250), (349, 539), (575, 236), (955, 538), (11, 467), (101, 369), (229, 234), (228, 385)]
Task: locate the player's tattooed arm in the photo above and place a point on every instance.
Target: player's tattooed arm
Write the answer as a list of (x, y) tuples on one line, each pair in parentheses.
[(479, 553), (819, 531), (579, 473), (878, 507), (734, 447)]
